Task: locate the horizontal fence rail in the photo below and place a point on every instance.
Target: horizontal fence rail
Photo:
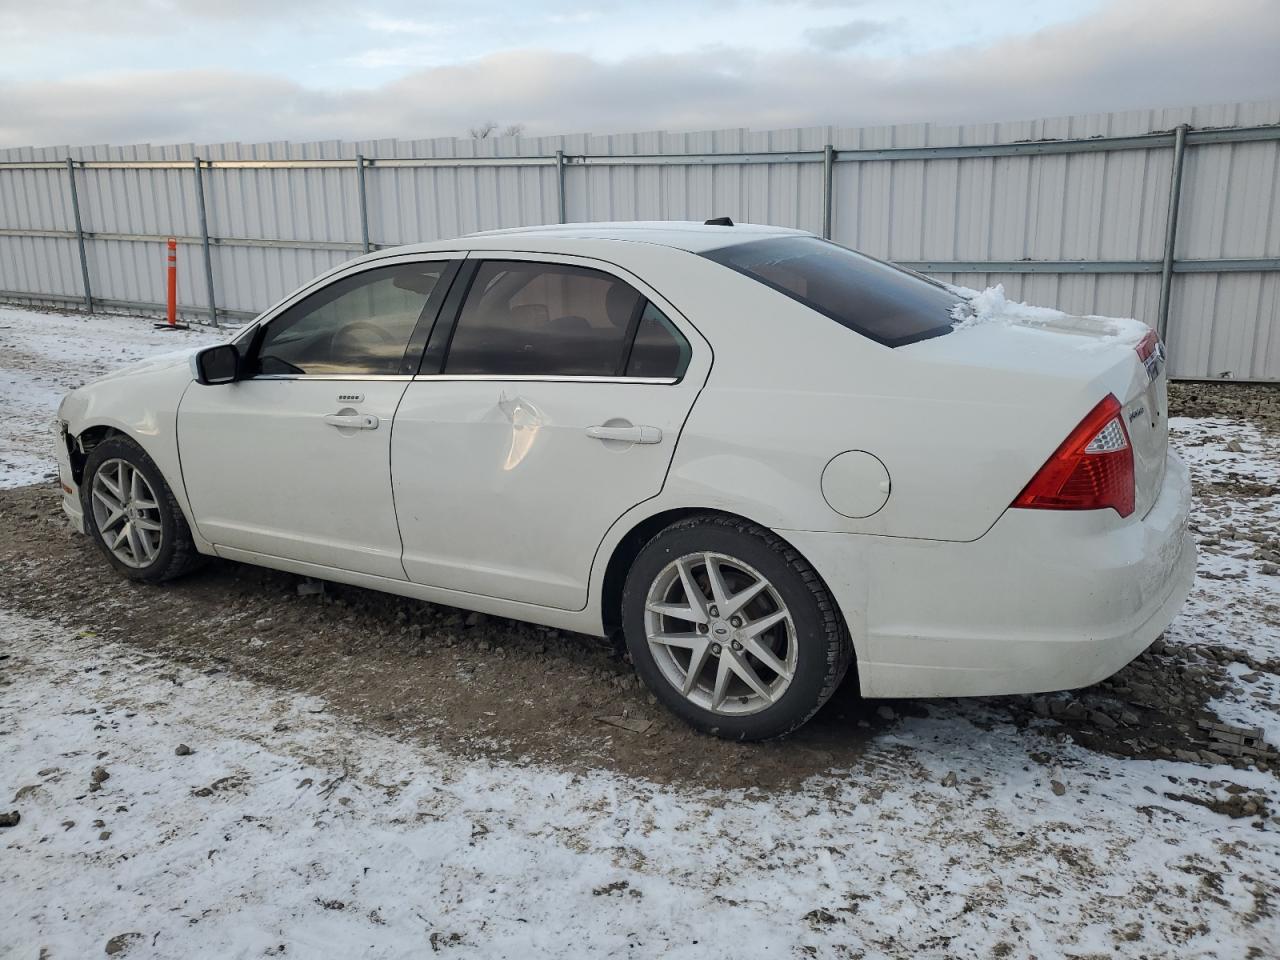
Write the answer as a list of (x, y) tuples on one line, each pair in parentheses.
[(865, 196), (921, 266), (120, 306), (1036, 148)]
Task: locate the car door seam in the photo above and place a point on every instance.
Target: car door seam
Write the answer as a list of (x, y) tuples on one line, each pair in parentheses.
[(675, 445), (391, 476), (182, 474)]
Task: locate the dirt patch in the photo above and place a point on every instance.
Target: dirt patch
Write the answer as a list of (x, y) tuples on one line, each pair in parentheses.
[(1237, 401), (473, 684), (1154, 708), (1237, 804), (465, 682)]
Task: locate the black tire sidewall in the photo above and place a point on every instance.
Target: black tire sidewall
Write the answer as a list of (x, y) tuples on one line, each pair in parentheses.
[(816, 657), (122, 448)]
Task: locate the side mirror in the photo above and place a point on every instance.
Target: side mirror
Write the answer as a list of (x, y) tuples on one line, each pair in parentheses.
[(218, 364)]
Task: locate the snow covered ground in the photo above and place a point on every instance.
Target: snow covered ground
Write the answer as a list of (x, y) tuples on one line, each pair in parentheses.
[(45, 354), (291, 829), (1236, 602)]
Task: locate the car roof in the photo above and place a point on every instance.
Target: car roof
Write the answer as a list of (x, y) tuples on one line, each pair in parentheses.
[(687, 235)]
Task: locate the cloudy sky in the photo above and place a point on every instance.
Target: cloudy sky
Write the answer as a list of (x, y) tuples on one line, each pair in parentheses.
[(164, 71)]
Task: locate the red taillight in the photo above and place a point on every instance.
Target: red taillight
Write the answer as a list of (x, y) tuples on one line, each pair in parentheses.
[(1151, 354), (1092, 470), (1147, 346)]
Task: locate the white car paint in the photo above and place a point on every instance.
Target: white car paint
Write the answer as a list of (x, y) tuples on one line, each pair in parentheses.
[(500, 491), (242, 448), (499, 488), (489, 494)]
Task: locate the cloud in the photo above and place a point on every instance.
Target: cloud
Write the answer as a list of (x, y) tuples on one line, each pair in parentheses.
[(377, 58), (1147, 53), (23, 18), (421, 28), (575, 17), (844, 36)]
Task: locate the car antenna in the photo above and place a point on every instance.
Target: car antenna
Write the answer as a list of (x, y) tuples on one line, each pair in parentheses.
[(718, 222)]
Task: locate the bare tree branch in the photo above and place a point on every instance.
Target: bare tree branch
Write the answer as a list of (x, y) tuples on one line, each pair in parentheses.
[(490, 128)]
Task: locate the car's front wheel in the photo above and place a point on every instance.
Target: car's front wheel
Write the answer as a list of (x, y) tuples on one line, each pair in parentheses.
[(732, 629), (132, 515)]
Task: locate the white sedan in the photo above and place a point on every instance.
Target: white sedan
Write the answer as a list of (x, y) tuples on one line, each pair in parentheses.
[(763, 458)]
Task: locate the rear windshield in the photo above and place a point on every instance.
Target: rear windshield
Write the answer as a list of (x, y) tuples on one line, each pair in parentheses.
[(887, 304)]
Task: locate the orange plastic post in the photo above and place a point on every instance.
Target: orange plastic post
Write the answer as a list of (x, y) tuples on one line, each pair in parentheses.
[(173, 281)]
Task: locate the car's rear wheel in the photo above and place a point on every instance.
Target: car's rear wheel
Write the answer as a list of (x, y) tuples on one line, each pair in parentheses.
[(732, 629), (132, 515)]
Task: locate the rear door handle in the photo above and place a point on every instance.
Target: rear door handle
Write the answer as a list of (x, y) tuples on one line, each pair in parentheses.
[(358, 421), (626, 434)]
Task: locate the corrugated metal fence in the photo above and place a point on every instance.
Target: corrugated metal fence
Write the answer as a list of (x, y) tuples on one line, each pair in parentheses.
[(1169, 215)]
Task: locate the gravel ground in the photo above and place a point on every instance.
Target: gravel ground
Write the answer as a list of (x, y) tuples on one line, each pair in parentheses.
[(1258, 403), (1109, 820)]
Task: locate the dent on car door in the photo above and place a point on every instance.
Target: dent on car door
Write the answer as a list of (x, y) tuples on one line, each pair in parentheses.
[(293, 459), (549, 405)]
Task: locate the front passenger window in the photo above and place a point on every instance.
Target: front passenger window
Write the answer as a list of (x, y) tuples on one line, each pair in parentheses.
[(357, 326)]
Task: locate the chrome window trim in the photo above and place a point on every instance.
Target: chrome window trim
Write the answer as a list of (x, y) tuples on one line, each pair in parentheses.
[(329, 376), (538, 378)]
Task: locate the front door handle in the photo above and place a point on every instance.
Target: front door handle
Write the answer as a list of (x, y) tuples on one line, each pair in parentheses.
[(626, 434), (357, 421)]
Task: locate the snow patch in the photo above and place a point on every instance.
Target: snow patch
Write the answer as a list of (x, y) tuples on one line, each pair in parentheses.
[(977, 307), (46, 354), (284, 826)]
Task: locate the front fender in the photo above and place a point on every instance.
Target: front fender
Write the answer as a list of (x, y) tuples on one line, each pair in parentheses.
[(144, 407)]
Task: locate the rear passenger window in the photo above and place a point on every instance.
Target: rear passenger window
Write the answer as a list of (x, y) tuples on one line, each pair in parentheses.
[(659, 349), (543, 319)]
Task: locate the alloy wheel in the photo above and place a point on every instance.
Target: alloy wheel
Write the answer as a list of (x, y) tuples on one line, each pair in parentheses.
[(720, 633), (127, 513)]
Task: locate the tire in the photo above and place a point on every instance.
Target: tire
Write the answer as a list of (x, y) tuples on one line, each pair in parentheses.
[(796, 663), (160, 545)]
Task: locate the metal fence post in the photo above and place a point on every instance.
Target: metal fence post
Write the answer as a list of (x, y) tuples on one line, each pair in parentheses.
[(1171, 231), (828, 161), (560, 185), (84, 260), (364, 203), (204, 240)]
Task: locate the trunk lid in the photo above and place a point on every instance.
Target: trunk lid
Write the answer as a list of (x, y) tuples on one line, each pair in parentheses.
[(1057, 366), (1143, 393)]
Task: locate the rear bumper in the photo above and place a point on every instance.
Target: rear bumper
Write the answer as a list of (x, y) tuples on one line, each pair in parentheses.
[(1046, 600)]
